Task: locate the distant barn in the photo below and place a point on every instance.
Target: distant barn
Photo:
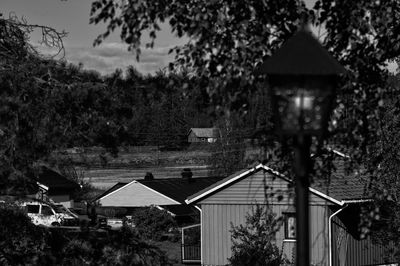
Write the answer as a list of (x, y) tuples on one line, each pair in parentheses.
[(207, 135)]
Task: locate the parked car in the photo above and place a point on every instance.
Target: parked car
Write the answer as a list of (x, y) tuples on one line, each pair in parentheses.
[(42, 213)]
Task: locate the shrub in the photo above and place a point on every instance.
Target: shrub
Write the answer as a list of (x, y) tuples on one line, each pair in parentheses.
[(77, 252), (152, 223), (254, 243)]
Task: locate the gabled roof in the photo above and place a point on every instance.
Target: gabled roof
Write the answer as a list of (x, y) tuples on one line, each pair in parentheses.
[(175, 189), (179, 189), (54, 180), (111, 189), (205, 132), (341, 186), (340, 189)]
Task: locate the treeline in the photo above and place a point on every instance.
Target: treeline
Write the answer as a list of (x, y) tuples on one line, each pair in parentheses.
[(82, 108)]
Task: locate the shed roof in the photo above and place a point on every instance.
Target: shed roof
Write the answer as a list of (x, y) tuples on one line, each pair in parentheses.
[(205, 132)]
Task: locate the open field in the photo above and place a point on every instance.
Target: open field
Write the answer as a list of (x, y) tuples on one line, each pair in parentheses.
[(104, 178), (104, 170)]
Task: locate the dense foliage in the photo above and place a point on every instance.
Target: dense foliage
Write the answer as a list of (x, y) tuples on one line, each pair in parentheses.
[(21, 242), (254, 242)]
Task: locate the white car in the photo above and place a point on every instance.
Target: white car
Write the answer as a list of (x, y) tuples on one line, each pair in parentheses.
[(42, 213)]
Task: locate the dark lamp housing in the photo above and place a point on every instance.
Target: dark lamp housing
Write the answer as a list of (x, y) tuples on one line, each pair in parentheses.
[(302, 78)]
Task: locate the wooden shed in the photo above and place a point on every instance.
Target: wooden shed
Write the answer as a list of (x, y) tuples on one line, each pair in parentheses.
[(334, 216), (204, 135)]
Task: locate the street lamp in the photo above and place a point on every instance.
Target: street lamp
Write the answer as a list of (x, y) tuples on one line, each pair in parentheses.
[(302, 78)]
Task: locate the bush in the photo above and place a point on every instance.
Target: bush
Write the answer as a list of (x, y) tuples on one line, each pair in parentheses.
[(22, 243), (78, 252), (125, 248), (254, 243), (152, 223)]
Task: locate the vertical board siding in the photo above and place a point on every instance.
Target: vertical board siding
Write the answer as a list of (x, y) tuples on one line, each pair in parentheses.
[(217, 242), (357, 251), (319, 235), (233, 203)]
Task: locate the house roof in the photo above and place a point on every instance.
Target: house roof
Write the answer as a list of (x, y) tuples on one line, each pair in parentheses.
[(340, 189), (341, 186), (179, 189), (111, 189), (54, 180), (205, 132)]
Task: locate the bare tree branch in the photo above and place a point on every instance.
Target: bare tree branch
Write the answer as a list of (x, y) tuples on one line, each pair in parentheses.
[(16, 34)]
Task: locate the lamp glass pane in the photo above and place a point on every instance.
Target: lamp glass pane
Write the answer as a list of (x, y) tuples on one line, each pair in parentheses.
[(301, 109)]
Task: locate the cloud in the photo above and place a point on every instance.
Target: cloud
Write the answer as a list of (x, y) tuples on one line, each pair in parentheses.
[(109, 56)]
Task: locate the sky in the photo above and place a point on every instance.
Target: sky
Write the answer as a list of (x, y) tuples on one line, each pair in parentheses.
[(73, 17)]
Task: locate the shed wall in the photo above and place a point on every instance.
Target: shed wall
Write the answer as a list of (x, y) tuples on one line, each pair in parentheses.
[(193, 138)]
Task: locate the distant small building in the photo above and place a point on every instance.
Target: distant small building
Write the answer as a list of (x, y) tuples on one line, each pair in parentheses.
[(205, 135), (55, 187)]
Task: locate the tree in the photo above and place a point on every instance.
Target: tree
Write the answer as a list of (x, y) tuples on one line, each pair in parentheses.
[(45, 105), (24, 119), (254, 242)]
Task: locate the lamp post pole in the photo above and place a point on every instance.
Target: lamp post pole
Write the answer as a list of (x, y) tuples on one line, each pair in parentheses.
[(302, 77), (301, 168)]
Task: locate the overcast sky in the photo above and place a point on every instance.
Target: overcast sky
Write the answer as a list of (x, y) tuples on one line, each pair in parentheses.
[(73, 17)]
